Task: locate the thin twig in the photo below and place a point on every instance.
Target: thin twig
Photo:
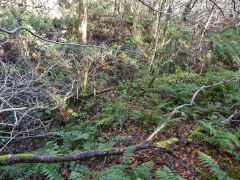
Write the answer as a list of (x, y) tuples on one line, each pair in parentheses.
[(236, 112), (220, 9), (234, 7), (12, 109)]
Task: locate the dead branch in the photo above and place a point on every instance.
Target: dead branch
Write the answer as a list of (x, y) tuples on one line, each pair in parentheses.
[(31, 158), (9, 159), (147, 5), (236, 112), (149, 139), (234, 7), (96, 93), (221, 10), (22, 96), (12, 109), (47, 40)]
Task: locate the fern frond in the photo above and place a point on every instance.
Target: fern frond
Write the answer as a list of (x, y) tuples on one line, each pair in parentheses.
[(215, 169), (207, 160), (167, 174), (77, 176), (144, 170), (81, 169), (51, 172), (116, 172), (208, 128)]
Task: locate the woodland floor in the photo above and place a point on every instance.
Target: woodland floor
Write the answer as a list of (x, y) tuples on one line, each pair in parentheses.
[(183, 157)]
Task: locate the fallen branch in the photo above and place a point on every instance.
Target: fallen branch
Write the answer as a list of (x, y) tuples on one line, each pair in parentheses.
[(145, 4), (151, 8), (181, 106), (86, 96), (236, 112), (6, 160), (96, 93), (234, 7), (56, 42)]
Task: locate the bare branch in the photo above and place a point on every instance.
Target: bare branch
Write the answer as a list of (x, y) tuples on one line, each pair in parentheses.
[(31, 158), (236, 112), (47, 40), (12, 109), (21, 98), (181, 106), (222, 12), (147, 5), (234, 7)]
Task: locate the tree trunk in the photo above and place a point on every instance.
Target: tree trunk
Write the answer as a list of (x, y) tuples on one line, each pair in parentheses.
[(157, 33), (136, 20), (82, 26), (161, 46)]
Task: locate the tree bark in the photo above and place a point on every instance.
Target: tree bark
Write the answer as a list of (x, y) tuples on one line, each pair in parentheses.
[(161, 4), (82, 26), (6, 160), (136, 20)]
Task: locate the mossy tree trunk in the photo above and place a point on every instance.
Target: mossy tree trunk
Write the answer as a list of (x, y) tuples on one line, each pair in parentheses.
[(6, 160)]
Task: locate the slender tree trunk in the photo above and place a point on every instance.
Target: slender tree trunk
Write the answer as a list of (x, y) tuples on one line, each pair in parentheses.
[(161, 5), (161, 46), (136, 19), (82, 26), (80, 17), (117, 5)]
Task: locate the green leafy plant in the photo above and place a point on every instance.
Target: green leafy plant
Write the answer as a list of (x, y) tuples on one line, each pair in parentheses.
[(113, 113), (226, 47), (51, 171), (224, 140), (167, 174), (118, 172), (215, 170)]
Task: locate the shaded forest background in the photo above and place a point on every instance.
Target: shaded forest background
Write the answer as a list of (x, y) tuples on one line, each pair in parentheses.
[(119, 89)]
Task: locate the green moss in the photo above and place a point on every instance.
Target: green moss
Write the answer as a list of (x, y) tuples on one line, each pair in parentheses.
[(22, 156), (190, 137), (4, 158), (166, 144), (74, 114), (58, 156)]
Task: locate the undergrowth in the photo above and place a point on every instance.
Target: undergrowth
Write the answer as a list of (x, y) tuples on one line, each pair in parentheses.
[(151, 106), (84, 125)]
